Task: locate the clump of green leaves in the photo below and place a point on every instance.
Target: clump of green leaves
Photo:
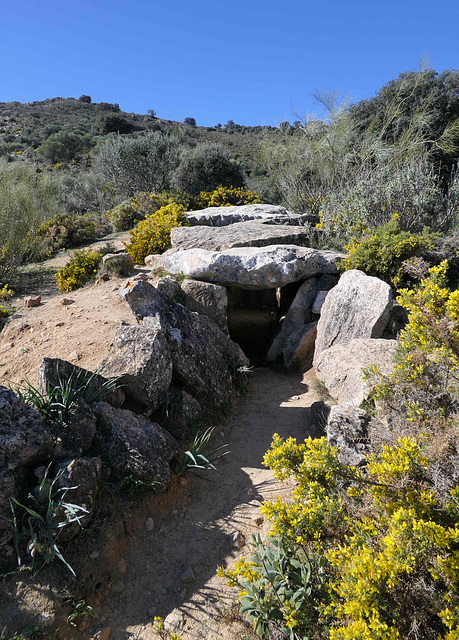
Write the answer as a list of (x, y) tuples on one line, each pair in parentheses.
[(56, 402), (381, 252), (37, 525), (200, 456), (80, 610)]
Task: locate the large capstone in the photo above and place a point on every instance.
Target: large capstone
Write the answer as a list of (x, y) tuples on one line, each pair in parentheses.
[(253, 267)]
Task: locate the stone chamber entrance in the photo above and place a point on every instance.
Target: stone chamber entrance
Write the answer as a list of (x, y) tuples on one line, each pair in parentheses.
[(255, 317)]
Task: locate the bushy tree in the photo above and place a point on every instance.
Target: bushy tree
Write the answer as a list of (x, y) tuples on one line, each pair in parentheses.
[(205, 168), (65, 146), (190, 121), (138, 164), (113, 123)]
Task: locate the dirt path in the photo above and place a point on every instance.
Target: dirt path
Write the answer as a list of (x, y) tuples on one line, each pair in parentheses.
[(171, 568), (157, 556)]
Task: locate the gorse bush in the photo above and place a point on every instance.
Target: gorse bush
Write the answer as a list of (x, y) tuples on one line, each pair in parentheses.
[(381, 551), (127, 214), (153, 235), (226, 196), (81, 268), (381, 252), (423, 386), (67, 230)]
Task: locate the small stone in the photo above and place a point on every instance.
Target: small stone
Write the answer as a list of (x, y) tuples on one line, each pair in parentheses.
[(174, 621), (188, 576), (174, 512), (22, 326), (94, 555), (183, 482), (122, 567), (6, 347), (149, 524), (103, 634), (74, 356), (66, 301), (258, 519), (59, 324), (238, 539), (141, 276), (32, 301)]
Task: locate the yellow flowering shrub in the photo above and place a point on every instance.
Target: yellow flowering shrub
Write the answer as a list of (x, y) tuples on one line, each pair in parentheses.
[(381, 550), (380, 252), (227, 197), (81, 268), (153, 235), (423, 383)]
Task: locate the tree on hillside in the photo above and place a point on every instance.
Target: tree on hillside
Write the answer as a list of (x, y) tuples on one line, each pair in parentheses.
[(205, 168), (65, 146), (138, 164)]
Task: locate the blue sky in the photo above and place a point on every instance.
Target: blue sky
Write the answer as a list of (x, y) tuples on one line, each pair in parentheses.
[(243, 61)]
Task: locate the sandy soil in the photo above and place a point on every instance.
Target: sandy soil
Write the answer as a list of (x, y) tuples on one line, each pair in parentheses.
[(157, 555)]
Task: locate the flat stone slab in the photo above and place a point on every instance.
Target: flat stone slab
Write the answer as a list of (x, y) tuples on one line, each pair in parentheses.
[(253, 267), (222, 216), (242, 234)]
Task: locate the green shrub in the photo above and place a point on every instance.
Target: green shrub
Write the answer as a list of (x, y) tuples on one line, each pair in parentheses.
[(81, 268), (383, 251), (381, 551), (135, 164), (205, 168), (67, 230), (126, 215), (27, 198), (226, 197), (153, 235), (413, 191)]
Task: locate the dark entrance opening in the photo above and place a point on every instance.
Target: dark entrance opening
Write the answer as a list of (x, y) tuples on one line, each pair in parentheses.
[(254, 317)]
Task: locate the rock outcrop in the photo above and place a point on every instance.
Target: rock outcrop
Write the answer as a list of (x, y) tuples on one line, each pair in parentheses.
[(347, 429), (24, 441), (207, 299), (298, 315)]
